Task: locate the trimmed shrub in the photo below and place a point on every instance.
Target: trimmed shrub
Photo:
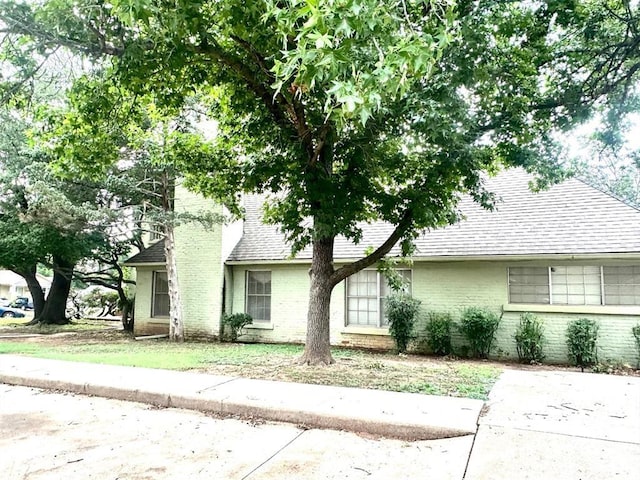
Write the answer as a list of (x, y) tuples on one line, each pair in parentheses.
[(582, 338), (232, 324), (402, 311), (439, 333), (479, 326), (530, 339), (636, 334)]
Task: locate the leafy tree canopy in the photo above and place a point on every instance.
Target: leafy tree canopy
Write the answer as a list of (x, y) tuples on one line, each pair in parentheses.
[(37, 219), (359, 109), (608, 157)]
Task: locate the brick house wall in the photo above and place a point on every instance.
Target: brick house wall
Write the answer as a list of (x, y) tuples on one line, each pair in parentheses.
[(443, 287)]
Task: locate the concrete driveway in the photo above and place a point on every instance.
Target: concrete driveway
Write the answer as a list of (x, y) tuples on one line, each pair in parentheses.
[(559, 425)]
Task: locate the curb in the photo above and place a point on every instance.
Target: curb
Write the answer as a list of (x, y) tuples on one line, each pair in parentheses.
[(379, 413)]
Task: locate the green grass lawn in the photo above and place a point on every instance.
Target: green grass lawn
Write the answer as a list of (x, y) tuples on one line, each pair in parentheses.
[(353, 368), (151, 353)]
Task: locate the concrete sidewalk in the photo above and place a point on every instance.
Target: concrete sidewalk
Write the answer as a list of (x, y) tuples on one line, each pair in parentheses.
[(559, 425), (389, 414)]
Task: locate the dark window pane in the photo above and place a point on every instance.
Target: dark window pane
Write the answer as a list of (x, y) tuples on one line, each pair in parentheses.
[(529, 285), (621, 285), (160, 307)]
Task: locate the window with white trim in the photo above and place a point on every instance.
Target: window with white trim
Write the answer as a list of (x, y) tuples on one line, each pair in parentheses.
[(160, 305), (366, 295), (258, 295), (575, 285)]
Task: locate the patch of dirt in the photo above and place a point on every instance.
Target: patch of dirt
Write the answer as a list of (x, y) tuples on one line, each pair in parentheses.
[(606, 368)]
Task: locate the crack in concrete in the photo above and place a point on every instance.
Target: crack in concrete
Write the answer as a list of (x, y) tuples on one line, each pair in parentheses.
[(571, 435), (272, 456), (466, 467), (212, 387)]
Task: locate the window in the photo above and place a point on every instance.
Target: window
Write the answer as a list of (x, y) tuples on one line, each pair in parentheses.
[(155, 235), (529, 285), (258, 298), (366, 297), (160, 307), (622, 285), (575, 285)]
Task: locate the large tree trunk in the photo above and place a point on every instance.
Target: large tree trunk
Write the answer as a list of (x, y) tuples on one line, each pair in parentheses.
[(37, 295), (125, 303), (317, 350), (126, 307), (54, 311), (324, 277), (176, 324)]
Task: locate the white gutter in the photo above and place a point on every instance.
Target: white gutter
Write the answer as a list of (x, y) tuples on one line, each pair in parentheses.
[(144, 264), (460, 258)]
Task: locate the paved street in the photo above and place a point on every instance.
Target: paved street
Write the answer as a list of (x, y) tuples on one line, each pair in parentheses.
[(47, 435)]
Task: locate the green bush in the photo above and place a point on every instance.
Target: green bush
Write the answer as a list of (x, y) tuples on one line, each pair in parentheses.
[(582, 338), (530, 339), (402, 311), (234, 323), (439, 333), (636, 334), (479, 326)]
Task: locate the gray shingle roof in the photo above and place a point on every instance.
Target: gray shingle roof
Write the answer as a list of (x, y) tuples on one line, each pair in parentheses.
[(154, 254), (570, 218)]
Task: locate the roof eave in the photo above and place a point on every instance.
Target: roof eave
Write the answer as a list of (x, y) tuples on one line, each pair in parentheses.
[(462, 258), (144, 264)]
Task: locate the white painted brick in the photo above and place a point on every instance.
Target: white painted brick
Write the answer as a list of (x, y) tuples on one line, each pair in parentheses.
[(200, 268)]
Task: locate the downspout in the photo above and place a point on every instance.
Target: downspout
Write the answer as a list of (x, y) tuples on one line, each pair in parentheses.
[(227, 296)]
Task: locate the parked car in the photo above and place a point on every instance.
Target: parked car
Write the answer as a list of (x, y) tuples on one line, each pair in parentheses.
[(4, 302), (9, 312), (22, 302)]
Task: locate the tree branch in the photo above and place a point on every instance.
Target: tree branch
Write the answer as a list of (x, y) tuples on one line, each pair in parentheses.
[(259, 58), (274, 104), (354, 267), (322, 138), (102, 282), (19, 27), (30, 75)]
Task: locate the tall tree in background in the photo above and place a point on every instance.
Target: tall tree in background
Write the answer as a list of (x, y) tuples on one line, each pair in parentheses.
[(607, 160), (73, 226), (19, 248), (355, 111), (47, 222), (112, 125), (44, 220), (612, 173)]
